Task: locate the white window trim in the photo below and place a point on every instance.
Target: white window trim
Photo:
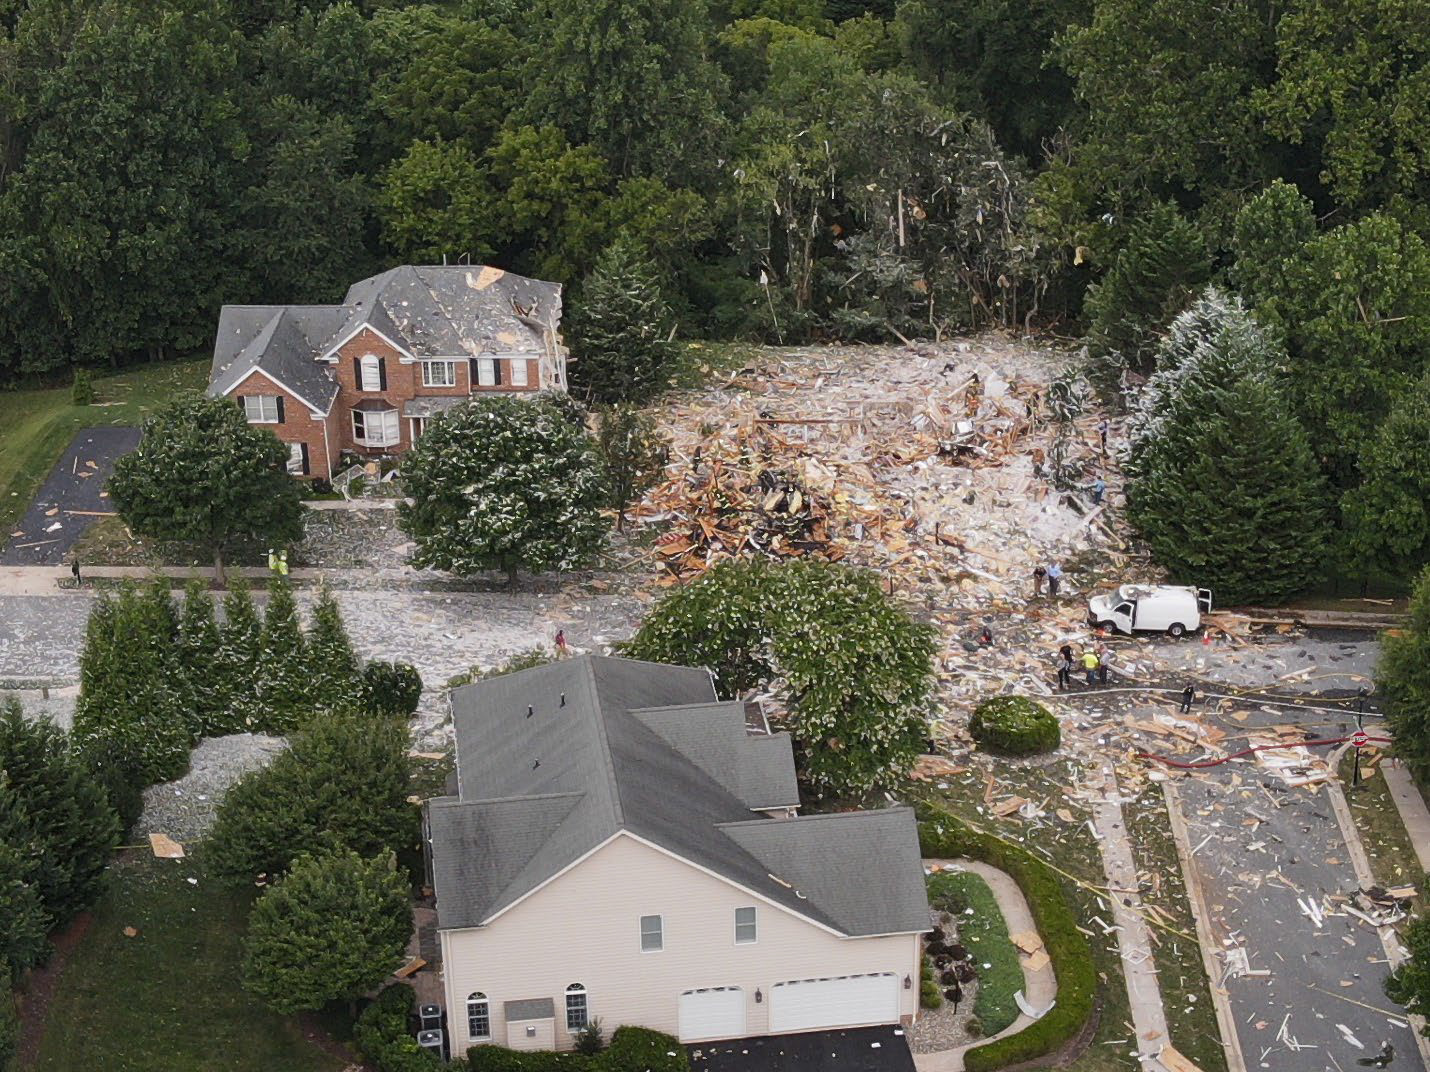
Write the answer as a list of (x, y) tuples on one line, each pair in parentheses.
[(512, 366), (486, 372), (485, 1003), (449, 379), (389, 422), (578, 990), (754, 924), (371, 366), (295, 459), (264, 402), (659, 933)]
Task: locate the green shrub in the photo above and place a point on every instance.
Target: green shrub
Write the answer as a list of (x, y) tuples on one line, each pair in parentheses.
[(590, 1040), (391, 688), (930, 996), (1014, 725), (945, 837), (632, 1049), (82, 389), (382, 1037), (984, 932)]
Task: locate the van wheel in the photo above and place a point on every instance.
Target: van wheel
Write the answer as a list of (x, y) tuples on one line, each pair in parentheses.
[(1176, 629), (1108, 626)]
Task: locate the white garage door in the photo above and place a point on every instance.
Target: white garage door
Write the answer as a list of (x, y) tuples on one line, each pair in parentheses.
[(714, 1012), (845, 1001)]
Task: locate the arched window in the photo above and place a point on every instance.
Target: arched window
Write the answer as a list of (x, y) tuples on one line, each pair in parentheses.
[(479, 1017), (576, 1012), (370, 368)]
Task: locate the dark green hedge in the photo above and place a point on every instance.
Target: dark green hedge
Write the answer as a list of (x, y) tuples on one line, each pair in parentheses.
[(381, 1034), (944, 837), (632, 1049), (1015, 725)]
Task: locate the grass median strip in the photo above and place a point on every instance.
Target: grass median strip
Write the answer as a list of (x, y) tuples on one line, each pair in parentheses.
[(984, 932)]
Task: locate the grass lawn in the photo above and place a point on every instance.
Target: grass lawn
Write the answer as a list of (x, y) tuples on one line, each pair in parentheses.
[(982, 929), (1392, 856), (35, 425), (168, 998)]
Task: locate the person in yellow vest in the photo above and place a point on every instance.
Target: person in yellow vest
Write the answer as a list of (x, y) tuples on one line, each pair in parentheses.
[(1089, 664), (283, 562), (272, 561)]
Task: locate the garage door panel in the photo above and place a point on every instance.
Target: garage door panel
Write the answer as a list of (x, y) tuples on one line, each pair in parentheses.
[(842, 1001), (712, 1012)]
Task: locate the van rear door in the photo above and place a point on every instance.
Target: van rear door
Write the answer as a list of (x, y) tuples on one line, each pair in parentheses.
[(1204, 600)]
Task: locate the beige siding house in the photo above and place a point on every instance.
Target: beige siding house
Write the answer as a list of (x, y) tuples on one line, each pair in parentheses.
[(622, 847)]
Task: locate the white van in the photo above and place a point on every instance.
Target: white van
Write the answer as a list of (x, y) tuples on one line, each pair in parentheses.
[(1169, 608)]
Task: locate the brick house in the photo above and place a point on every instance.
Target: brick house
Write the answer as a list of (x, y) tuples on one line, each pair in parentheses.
[(365, 376)]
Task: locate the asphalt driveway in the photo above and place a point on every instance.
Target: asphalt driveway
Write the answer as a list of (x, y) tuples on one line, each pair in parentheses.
[(70, 499), (860, 1049)]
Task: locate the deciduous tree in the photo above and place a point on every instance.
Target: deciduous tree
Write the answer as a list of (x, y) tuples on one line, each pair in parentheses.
[(332, 929), (1387, 515), (1403, 676), (855, 671), (504, 483), (203, 474)]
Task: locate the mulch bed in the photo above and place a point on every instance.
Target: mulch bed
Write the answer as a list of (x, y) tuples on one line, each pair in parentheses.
[(38, 989)]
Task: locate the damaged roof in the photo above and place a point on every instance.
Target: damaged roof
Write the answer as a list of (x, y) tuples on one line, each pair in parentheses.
[(428, 311), (553, 761)]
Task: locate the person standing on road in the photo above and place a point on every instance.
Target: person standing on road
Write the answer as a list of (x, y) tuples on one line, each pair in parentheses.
[(1065, 668), (1055, 579), (74, 571), (1040, 574), (561, 642), (1089, 663), (1104, 654), (1102, 429), (1099, 489), (1188, 695)]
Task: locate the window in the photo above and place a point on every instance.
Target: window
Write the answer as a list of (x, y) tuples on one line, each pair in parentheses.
[(575, 1007), (298, 459), (486, 372), (375, 427), (262, 409), (518, 372), (744, 925), (479, 1017), (652, 934), (370, 373), (439, 374)]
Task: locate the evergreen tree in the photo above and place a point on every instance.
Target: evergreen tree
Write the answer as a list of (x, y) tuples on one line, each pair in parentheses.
[(285, 699), (334, 671), (504, 483), (240, 646), (632, 448), (73, 830), (1403, 676), (1222, 483), (197, 655), (23, 922), (9, 1025), (1387, 517), (203, 475), (391, 689), (344, 782), (128, 716), (1154, 277), (332, 929), (619, 349)]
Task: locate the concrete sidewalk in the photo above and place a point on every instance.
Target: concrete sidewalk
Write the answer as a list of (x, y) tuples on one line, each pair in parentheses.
[(1411, 805)]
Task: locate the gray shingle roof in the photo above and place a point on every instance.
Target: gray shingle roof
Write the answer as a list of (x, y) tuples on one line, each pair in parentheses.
[(429, 311), (553, 761)]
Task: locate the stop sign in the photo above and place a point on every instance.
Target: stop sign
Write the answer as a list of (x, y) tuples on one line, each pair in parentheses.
[(1360, 738)]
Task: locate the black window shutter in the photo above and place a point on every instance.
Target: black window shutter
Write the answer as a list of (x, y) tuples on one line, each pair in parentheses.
[(280, 409), (496, 371), (472, 374), (382, 373), (305, 458), (357, 373)]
